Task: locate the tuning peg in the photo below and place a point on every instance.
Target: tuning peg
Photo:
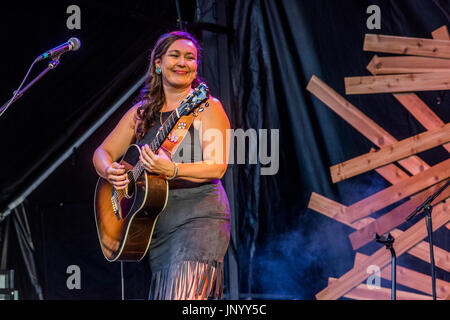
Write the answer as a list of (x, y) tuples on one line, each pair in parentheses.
[(207, 104), (200, 109)]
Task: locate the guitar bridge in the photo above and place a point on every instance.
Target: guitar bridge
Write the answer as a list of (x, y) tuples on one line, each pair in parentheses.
[(115, 204)]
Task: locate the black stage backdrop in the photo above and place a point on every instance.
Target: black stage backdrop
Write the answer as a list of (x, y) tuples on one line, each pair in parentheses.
[(258, 58), (288, 250)]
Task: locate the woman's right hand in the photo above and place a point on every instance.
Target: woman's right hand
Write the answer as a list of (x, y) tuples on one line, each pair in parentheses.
[(115, 174)]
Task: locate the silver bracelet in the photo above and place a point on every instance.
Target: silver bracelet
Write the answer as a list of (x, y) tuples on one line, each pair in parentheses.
[(175, 173)]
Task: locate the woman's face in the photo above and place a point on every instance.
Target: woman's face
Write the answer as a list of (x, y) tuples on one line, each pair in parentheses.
[(179, 64)]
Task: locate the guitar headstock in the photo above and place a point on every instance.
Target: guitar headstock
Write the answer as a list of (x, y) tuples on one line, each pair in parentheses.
[(193, 100)]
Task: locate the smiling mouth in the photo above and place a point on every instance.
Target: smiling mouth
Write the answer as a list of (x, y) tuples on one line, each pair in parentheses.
[(180, 72)]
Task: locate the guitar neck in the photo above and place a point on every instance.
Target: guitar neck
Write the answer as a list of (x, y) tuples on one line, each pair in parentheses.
[(157, 142), (192, 101), (163, 131)]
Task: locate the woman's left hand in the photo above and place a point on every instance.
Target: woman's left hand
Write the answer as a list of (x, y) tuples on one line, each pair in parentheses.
[(157, 163)]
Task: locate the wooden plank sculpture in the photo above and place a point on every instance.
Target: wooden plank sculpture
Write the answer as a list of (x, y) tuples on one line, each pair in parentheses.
[(424, 66), (398, 83), (388, 154), (399, 65), (409, 46)]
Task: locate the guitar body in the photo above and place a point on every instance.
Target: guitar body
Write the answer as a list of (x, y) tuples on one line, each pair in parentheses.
[(125, 219)]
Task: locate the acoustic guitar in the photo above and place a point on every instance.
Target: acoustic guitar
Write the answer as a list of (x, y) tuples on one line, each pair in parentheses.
[(125, 218)]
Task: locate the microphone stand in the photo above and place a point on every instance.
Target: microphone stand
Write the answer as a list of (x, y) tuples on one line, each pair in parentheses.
[(388, 241), (427, 208), (52, 65)]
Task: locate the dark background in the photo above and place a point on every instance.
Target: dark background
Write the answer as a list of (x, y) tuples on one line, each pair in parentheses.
[(282, 249)]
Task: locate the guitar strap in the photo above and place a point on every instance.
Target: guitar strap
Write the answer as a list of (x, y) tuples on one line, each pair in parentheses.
[(177, 134)]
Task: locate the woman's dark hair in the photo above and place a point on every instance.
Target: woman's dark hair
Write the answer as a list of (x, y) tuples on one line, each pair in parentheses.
[(152, 96)]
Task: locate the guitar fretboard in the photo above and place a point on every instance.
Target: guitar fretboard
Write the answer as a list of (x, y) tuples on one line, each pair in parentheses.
[(187, 105), (157, 142), (164, 131)]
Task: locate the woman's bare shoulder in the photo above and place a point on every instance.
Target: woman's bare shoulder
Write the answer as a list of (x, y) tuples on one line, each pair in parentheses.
[(212, 105), (214, 112), (215, 101)]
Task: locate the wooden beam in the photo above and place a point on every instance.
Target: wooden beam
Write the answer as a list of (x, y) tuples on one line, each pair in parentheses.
[(392, 173), (431, 81), (333, 210), (398, 65), (382, 256), (397, 192), (397, 151), (394, 218), (407, 45), (416, 280), (412, 279), (329, 208), (362, 292), (422, 252), (441, 33), (419, 110), (376, 134), (360, 122), (416, 106)]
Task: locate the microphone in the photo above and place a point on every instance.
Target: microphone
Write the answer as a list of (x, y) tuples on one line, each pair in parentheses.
[(72, 45)]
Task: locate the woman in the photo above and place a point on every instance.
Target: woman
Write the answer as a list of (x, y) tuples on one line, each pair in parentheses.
[(191, 235)]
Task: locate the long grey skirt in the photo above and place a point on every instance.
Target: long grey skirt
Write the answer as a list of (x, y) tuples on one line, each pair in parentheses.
[(189, 243)]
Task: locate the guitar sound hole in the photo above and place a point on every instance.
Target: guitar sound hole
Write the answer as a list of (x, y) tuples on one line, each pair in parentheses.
[(131, 186)]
